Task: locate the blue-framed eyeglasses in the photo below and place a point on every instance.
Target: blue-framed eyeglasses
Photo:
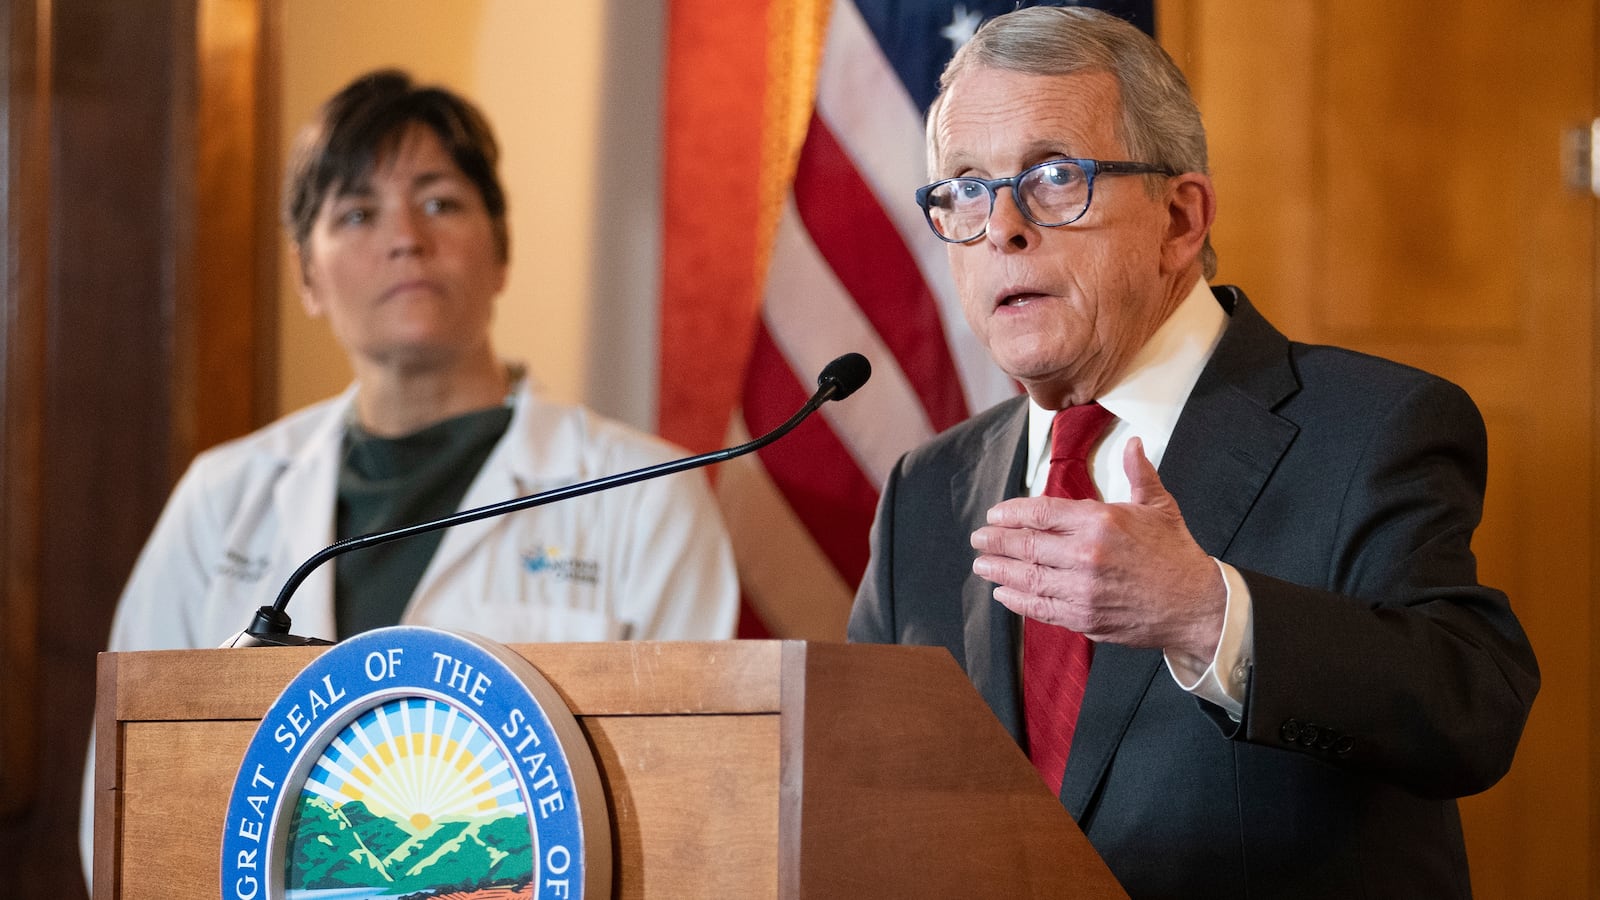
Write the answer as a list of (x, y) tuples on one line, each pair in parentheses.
[(1052, 193)]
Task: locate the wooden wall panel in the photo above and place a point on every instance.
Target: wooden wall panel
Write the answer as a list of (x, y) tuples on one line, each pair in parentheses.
[(24, 150), (1417, 173), (104, 425), (230, 358), (1503, 558), (1389, 179), (120, 361)]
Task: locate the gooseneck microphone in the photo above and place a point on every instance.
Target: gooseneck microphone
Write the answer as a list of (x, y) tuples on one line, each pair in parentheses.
[(270, 627)]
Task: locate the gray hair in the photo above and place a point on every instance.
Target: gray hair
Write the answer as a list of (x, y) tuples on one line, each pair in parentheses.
[(1160, 122)]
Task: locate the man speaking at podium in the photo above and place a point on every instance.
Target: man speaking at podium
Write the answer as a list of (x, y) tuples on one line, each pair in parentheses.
[(1222, 589)]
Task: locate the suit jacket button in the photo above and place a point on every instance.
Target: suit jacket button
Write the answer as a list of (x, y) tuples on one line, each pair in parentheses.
[(1344, 746), (1289, 731)]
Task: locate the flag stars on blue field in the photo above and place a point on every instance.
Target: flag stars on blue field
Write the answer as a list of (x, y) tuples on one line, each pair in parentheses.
[(963, 25)]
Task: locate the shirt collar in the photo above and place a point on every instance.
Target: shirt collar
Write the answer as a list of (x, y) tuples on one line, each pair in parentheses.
[(1150, 395)]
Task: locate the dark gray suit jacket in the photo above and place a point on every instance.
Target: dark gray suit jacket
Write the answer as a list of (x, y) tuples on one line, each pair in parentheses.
[(1386, 681)]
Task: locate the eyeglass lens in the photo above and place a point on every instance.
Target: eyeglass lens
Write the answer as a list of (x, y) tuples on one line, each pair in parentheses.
[(1053, 193)]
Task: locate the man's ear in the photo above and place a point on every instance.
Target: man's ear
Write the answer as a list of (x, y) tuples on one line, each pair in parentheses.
[(1191, 208)]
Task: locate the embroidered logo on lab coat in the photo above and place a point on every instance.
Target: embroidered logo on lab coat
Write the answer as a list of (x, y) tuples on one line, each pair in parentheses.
[(553, 562)]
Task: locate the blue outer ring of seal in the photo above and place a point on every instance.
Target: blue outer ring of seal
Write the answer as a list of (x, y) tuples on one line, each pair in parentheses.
[(367, 671)]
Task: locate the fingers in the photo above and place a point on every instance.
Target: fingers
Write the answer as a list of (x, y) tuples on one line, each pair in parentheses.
[(1012, 575), (1042, 513), (1041, 573), (1130, 573), (1044, 530), (1050, 610), (1045, 593)]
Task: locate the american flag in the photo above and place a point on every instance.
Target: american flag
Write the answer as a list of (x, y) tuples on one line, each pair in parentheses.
[(849, 265)]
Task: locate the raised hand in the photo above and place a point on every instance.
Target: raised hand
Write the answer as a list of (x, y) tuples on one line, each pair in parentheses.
[(1127, 573)]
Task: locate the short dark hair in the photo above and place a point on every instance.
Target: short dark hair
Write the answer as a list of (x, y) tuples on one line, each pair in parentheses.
[(364, 122)]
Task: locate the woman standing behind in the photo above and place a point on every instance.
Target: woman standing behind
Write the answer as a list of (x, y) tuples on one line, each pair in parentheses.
[(399, 221), (398, 218)]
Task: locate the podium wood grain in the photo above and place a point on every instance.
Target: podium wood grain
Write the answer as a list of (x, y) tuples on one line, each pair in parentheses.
[(731, 769)]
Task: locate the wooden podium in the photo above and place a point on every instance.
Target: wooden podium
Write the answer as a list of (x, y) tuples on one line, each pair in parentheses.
[(743, 769)]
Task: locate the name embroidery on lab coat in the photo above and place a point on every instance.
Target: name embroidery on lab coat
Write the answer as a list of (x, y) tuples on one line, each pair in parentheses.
[(240, 567)]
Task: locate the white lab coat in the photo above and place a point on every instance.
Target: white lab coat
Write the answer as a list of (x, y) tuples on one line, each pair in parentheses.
[(648, 561)]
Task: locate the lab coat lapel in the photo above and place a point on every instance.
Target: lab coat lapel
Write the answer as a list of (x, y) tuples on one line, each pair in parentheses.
[(535, 454), (303, 500), (494, 483)]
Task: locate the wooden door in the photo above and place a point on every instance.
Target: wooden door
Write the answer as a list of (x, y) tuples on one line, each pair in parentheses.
[(136, 331), (1390, 178)]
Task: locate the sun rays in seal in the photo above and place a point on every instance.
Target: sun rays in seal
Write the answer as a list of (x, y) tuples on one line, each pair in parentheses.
[(417, 761)]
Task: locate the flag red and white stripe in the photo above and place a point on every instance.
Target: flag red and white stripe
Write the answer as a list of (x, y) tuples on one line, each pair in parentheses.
[(852, 267)]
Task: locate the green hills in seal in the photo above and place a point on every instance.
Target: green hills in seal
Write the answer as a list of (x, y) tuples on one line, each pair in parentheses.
[(349, 846)]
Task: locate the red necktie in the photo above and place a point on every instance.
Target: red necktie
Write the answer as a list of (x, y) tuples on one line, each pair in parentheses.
[(1055, 660)]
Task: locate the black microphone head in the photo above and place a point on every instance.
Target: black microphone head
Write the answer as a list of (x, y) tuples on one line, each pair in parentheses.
[(847, 373)]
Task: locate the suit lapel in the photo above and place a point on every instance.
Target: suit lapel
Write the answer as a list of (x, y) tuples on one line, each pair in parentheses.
[(1226, 444), (1229, 440), (1118, 680), (989, 628)]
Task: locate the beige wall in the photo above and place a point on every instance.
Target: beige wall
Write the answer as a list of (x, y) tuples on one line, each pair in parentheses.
[(572, 90)]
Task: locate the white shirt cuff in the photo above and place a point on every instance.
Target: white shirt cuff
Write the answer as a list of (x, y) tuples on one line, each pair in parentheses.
[(1224, 681)]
